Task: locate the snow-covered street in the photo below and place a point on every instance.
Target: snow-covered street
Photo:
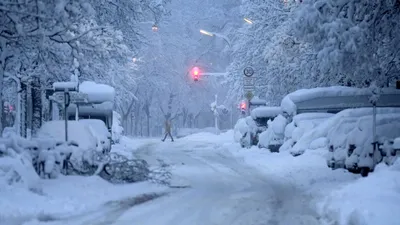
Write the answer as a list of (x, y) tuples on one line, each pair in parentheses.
[(214, 182)]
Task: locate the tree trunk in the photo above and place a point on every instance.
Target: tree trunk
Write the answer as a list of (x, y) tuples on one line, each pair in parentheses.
[(2, 68)]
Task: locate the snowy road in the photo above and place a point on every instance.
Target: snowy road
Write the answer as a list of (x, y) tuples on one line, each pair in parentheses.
[(223, 191), (219, 189)]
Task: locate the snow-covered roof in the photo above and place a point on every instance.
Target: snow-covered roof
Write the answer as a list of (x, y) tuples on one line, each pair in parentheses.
[(97, 93), (336, 98), (265, 111)]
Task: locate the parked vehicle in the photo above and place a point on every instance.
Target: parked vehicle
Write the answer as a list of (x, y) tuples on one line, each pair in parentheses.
[(257, 123), (301, 124), (99, 129)]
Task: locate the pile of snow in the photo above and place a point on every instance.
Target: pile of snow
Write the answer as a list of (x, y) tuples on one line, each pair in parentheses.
[(183, 132), (275, 133), (265, 112), (331, 124), (71, 200), (97, 93), (368, 201), (16, 166)]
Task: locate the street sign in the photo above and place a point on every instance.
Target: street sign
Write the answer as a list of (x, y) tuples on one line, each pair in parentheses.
[(248, 81), (58, 97), (248, 71), (79, 98)]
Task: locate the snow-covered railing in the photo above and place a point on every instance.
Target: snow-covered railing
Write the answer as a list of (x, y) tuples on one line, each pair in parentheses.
[(336, 98)]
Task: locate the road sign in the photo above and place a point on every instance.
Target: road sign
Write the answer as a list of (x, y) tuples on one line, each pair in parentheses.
[(79, 98), (248, 81), (248, 71), (58, 97)]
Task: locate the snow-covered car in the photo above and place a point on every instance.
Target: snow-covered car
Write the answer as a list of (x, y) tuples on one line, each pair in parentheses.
[(301, 124), (335, 129), (77, 132), (258, 123), (81, 149), (99, 129), (273, 137), (337, 144), (361, 156)]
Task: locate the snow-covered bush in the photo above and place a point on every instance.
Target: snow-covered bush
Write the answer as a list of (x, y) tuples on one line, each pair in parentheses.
[(183, 132), (16, 166)]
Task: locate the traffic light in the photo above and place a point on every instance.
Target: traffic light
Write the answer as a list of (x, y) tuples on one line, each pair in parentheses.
[(195, 73), (243, 106)]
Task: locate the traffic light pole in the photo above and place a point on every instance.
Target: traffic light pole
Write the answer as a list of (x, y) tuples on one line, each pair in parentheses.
[(214, 74)]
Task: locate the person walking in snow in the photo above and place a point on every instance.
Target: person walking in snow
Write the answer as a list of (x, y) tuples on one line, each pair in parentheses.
[(168, 130)]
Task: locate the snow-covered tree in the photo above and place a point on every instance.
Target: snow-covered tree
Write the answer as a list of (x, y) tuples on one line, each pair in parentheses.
[(355, 42)]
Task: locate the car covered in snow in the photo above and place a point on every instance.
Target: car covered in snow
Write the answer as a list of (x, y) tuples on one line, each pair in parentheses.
[(301, 124), (257, 123), (361, 156), (77, 132), (99, 129)]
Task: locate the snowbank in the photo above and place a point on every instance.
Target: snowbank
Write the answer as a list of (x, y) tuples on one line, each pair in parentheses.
[(183, 132), (65, 197), (368, 201), (97, 93), (263, 112)]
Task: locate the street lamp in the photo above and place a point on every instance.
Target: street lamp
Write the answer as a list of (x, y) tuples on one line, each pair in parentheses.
[(247, 20), (207, 33), (212, 34), (154, 28)]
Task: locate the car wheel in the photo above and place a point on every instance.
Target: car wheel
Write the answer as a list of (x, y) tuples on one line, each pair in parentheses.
[(364, 171)]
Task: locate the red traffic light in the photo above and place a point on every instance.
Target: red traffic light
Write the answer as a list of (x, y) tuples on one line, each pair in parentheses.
[(196, 73), (243, 105)]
